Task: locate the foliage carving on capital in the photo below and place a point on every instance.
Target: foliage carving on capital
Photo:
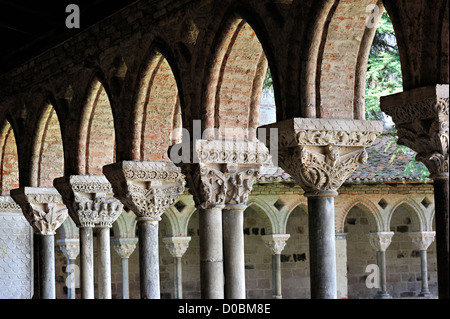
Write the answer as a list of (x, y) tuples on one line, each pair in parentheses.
[(275, 242), (422, 239), (177, 246), (380, 241)]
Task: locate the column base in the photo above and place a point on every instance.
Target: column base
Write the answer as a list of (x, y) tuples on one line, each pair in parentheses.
[(425, 293), (382, 295)]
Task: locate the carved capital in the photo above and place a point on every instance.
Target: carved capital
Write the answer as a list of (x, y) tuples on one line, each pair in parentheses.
[(422, 239), (124, 247), (7, 204), (225, 172), (42, 207), (89, 199), (275, 242), (421, 118), (147, 188), (320, 154), (177, 245), (380, 241), (70, 247)]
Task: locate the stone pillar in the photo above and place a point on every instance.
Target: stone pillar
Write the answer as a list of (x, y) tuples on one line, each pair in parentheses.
[(341, 265), (221, 179), (421, 118), (177, 247), (276, 244), (124, 248), (91, 204), (380, 241), (423, 240), (45, 211), (70, 247), (320, 154), (148, 189)]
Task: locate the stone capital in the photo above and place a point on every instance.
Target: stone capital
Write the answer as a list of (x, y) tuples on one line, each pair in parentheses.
[(147, 188), (70, 247), (42, 207), (89, 199), (177, 245), (224, 174), (421, 119), (422, 239), (380, 241), (124, 246), (320, 154), (275, 242)]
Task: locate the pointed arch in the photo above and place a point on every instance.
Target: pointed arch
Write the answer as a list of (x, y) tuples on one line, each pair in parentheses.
[(370, 210), (9, 160), (266, 212), (418, 220)]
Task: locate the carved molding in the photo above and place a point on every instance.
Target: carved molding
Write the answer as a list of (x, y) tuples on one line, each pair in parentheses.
[(124, 247), (89, 199), (177, 245), (422, 239), (146, 188), (421, 117), (275, 242), (42, 207), (70, 247), (7, 204), (320, 154), (380, 241)]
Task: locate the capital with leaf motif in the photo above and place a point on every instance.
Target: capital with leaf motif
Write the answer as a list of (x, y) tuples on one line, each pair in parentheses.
[(380, 241), (276, 242)]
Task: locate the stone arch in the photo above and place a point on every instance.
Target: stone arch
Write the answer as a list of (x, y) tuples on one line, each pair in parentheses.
[(234, 75), (178, 221), (289, 208), (370, 210), (9, 160), (96, 145), (157, 106), (125, 225), (47, 161), (267, 214), (418, 220)]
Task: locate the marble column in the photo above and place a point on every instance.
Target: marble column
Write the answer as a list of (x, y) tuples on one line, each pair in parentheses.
[(276, 244), (380, 241), (124, 247), (70, 247), (90, 201), (45, 211), (421, 118), (220, 182), (422, 240), (147, 188), (320, 154), (177, 247)]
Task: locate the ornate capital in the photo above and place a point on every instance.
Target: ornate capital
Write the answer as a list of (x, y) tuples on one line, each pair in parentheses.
[(177, 245), (380, 241), (275, 242), (89, 199), (320, 154), (7, 204), (225, 173), (145, 187), (70, 247), (124, 247), (42, 207), (422, 239), (421, 118)]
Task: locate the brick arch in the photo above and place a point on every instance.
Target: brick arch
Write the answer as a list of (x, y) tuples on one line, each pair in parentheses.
[(418, 218), (9, 160), (96, 145), (158, 105), (369, 209), (234, 75), (47, 160)]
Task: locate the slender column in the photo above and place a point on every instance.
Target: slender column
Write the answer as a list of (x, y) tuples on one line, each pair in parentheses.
[(177, 247), (320, 154), (124, 248), (380, 241), (70, 247), (421, 118), (423, 240), (341, 265), (148, 189), (90, 201), (45, 211), (276, 244)]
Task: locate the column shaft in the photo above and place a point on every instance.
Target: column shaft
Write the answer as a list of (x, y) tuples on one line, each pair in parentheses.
[(71, 293), (276, 276), (178, 277), (104, 259), (86, 263), (125, 279), (233, 250), (381, 261), (149, 259), (424, 272), (441, 202), (211, 254), (322, 247), (47, 266)]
